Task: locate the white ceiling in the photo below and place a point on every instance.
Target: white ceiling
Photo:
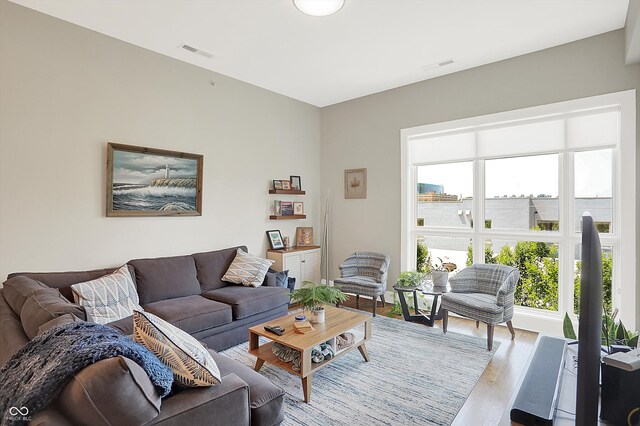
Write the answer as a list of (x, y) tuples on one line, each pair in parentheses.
[(367, 47)]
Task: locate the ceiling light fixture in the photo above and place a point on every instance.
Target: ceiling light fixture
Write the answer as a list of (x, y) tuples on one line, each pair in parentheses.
[(318, 7)]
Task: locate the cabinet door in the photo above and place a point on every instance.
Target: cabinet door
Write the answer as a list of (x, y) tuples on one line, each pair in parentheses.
[(311, 266), (293, 262)]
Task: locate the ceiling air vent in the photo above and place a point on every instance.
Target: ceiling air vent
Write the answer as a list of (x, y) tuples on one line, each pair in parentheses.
[(437, 65), (196, 50)]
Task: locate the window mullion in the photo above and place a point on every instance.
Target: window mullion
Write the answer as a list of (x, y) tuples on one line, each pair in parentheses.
[(478, 211)]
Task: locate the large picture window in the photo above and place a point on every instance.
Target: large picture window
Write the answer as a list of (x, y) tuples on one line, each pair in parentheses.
[(513, 186)]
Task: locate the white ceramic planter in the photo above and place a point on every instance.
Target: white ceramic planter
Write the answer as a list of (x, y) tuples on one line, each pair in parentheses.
[(317, 316), (440, 278)]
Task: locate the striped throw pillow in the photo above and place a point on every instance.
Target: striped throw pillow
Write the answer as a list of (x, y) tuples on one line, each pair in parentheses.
[(247, 269), (191, 363)]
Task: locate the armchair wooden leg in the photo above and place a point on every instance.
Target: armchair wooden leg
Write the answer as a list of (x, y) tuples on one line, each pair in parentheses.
[(375, 303), (445, 320), (513, 333), (357, 301), (384, 303), (477, 323), (489, 336)]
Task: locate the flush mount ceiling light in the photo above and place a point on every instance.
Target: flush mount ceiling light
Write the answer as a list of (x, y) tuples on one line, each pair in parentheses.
[(318, 7)]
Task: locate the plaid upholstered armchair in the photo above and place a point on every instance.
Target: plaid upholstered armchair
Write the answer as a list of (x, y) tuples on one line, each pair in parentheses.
[(483, 293), (364, 274)]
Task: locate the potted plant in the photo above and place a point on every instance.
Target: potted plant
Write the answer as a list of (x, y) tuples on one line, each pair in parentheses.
[(311, 297), (411, 279), (440, 273)]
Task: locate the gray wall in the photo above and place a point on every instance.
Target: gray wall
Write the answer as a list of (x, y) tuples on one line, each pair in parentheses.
[(365, 132), (65, 91)]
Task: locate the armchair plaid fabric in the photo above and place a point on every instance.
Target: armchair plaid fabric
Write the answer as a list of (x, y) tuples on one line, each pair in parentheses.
[(484, 292), (364, 274)]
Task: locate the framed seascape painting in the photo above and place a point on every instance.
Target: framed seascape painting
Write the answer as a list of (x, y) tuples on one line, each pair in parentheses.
[(153, 182)]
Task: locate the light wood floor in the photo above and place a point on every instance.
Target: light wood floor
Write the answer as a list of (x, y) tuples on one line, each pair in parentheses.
[(489, 399)]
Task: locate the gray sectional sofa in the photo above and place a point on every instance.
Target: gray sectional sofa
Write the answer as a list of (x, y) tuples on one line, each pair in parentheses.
[(188, 292)]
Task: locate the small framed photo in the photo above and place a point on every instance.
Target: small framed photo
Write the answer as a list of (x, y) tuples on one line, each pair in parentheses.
[(296, 182), (275, 239), (286, 184), (355, 183), (298, 208), (304, 236), (277, 184)]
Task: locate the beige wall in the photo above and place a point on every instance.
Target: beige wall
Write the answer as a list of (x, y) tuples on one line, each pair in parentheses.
[(365, 132), (65, 91)]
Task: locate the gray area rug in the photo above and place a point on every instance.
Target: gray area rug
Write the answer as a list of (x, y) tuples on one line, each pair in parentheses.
[(416, 376)]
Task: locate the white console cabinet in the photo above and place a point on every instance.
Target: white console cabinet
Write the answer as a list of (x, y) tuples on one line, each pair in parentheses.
[(303, 263)]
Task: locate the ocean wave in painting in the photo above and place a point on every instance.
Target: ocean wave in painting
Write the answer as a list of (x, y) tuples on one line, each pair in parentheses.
[(161, 194)]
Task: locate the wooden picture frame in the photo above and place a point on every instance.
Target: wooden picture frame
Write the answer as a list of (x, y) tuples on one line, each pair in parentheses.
[(276, 242), (145, 181), (296, 182), (355, 183), (304, 236), (277, 184), (286, 185)]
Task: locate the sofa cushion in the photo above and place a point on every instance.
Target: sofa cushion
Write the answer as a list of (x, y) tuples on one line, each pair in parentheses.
[(190, 362), (265, 398), (276, 278), (212, 265), (62, 319), (12, 336), (43, 306), (248, 301), (114, 391), (16, 290), (247, 269), (125, 325), (191, 313), (165, 278), (63, 280), (108, 298)]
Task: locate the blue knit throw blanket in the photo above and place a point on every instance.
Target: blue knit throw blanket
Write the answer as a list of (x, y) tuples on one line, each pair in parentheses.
[(36, 373)]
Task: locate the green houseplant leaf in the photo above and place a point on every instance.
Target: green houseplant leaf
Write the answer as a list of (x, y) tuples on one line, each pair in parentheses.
[(312, 296), (567, 327)]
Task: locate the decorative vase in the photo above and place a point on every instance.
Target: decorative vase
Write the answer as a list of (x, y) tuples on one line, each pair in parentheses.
[(440, 278), (317, 316)]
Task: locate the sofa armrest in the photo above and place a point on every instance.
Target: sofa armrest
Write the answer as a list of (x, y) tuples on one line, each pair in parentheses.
[(213, 405)]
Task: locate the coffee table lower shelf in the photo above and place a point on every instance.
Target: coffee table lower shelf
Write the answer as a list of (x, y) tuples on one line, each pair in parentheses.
[(264, 353)]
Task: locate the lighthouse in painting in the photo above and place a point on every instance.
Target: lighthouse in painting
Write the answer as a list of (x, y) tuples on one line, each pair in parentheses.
[(166, 172)]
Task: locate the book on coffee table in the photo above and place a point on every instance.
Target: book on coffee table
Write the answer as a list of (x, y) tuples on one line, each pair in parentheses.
[(303, 326)]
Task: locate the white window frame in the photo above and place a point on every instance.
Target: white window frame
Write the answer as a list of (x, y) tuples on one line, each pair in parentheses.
[(624, 206)]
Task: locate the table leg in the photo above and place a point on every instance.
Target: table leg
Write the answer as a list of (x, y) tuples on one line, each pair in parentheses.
[(259, 363), (253, 341), (405, 307), (434, 310), (306, 387), (363, 351)]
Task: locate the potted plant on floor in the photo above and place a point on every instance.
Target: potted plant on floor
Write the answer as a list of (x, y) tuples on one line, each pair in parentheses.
[(311, 297)]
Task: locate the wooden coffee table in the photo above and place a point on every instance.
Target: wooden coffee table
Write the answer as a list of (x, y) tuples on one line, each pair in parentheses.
[(337, 321)]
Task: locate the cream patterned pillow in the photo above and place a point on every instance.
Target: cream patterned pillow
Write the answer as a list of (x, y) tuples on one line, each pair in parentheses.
[(190, 362), (247, 269), (108, 298)]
